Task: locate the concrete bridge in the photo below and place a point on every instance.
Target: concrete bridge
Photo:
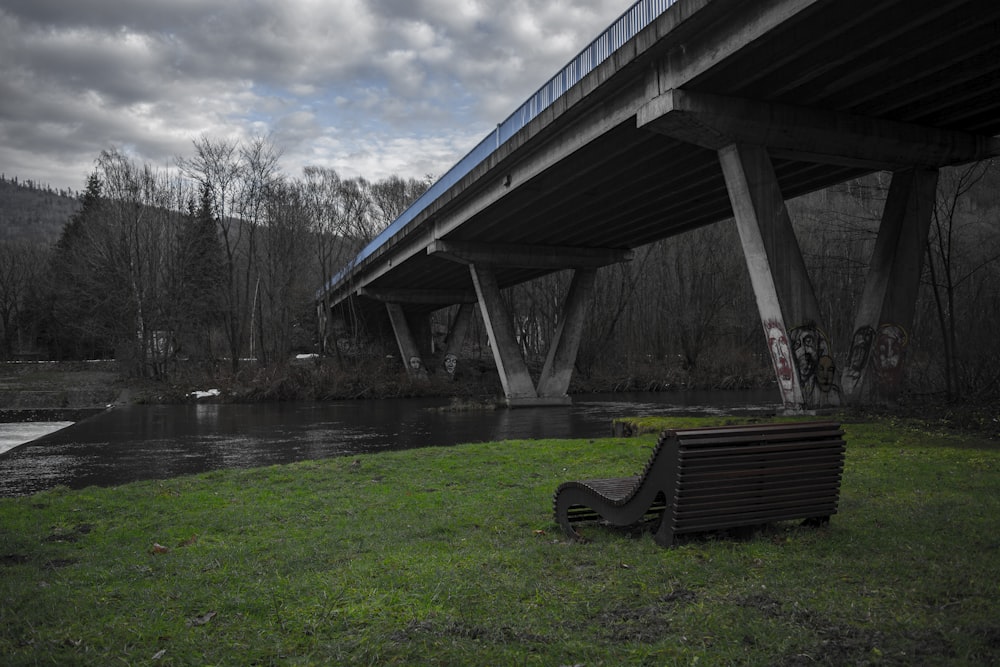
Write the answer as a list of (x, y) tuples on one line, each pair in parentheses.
[(687, 113)]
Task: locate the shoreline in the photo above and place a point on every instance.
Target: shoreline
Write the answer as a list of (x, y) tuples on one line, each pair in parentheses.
[(72, 391)]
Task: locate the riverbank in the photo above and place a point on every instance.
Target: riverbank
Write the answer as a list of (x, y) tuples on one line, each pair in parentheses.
[(450, 556), (59, 391), (29, 390), (71, 391)]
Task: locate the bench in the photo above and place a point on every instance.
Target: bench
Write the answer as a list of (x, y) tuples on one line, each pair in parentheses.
[(718, 478)]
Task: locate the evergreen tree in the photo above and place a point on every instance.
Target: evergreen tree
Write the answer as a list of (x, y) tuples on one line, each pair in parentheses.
[(70, 322), (198, 277)]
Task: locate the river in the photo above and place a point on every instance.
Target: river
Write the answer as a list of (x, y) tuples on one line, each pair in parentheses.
[(141, 442)]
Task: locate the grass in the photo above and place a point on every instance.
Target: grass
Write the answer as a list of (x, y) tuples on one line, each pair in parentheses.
[(450, 556)]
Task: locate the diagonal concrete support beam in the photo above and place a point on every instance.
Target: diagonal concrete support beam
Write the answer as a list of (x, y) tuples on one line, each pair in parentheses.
[(717, 121), (786, 301), (561, 357), (408, 348), (885, 313), (456, 337), (514, 376)]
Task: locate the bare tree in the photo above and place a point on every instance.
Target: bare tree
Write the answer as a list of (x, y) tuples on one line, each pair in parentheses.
[(390, 197), (238, 176), (113, 262), (334, 208), (962, 257), (285, 288)]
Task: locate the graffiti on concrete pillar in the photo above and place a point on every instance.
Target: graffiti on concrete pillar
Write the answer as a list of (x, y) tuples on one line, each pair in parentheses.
[(815, 365), (826, 382), (888, 355), (777, 343), (415, 363), (450, 363), (808, 345), (857, 358)]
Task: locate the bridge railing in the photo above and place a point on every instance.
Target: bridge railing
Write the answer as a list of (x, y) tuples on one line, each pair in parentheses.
[(628, 25)]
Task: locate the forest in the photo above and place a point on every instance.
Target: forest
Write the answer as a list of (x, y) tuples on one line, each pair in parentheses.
[(210, 270)]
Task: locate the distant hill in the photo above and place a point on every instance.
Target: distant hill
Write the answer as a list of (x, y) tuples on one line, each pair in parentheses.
[(29, 212)]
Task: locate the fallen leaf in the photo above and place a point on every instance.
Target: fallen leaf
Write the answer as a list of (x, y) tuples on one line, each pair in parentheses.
[(188, 542), (540, 532), (159, 549), (201, 620), (159, 654)]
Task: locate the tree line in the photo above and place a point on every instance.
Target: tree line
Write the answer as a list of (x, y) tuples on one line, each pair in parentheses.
[(219, 261), (215, 262)]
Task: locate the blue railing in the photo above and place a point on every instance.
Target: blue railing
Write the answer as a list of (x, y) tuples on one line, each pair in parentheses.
[(628, 25)]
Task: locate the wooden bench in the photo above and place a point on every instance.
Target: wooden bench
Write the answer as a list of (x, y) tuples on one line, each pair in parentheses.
[(717, 478)]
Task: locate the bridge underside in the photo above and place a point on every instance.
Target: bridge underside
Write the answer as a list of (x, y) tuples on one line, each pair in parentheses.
[(720, 109)]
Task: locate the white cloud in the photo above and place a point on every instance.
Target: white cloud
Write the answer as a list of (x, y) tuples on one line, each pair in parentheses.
[(370, 87)]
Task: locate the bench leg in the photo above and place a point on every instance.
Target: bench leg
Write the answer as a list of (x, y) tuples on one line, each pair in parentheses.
[(664, 535), (817, 521)]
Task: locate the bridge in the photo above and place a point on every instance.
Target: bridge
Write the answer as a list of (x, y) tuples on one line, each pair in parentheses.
[(686, 113)]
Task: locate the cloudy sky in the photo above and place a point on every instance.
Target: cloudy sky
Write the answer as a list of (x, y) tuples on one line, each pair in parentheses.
[(368, 87)]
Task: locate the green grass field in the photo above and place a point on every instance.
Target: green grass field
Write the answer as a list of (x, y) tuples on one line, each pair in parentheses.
[(450, 556)]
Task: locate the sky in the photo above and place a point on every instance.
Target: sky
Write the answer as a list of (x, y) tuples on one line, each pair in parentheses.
[(371, 88)]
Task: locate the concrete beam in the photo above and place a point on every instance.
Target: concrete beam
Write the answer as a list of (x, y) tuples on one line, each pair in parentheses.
[(427, 297), (829, 137), (408, 349), (531, 257), (739, 25), (783, 291), (514, 376), (561, 356), (885, 313), (456, 338)]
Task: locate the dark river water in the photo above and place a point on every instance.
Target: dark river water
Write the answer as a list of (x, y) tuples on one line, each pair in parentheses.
[(161, 441)]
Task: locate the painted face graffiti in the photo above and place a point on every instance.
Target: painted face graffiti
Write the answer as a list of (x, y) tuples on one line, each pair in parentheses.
[(826, 372), (450, 363), (808, 345), (857, 358), (861, 345), (814, 364), (889, 351), (780, 354)]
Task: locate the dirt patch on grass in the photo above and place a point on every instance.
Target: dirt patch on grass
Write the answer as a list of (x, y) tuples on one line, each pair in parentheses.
[(648, 623), (73, 535), (9, 560), (840, 644), (463, 630)]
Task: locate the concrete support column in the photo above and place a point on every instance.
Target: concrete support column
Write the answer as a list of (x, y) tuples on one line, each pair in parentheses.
[(456, 337), (885, 313), (408, 348), (558, 369), (789, 312), (514, 376)]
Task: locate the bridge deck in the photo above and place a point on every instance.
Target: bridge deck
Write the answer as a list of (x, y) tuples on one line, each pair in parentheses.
[(584, 174)]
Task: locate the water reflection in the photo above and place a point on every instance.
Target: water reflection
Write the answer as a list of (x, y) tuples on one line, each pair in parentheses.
[(162, 441)]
